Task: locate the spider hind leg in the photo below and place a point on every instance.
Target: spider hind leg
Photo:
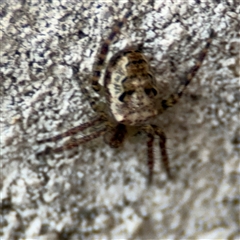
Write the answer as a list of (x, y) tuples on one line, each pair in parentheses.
[(153, 130), (163, 150), (150, 157)]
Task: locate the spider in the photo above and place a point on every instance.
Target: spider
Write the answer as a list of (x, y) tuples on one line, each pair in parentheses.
[(132, 98)]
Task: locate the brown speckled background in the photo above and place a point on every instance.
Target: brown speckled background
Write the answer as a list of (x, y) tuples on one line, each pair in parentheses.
[(95, 192)]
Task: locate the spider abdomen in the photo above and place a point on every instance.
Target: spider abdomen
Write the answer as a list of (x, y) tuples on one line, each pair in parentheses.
[(131, 88)]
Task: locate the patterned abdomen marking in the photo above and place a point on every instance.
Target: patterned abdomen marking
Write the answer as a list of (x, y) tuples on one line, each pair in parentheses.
[(131, 88)]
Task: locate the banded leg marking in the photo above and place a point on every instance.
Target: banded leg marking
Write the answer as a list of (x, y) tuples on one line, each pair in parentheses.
[(72, 131), (174, 98), (101, 56)]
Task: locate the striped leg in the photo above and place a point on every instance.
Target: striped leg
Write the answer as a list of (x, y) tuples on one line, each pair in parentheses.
[(150, 155), (151, 131), (93, 101), (72, 131), (174, 98), (72, 143), (101, 56), (163, 150)]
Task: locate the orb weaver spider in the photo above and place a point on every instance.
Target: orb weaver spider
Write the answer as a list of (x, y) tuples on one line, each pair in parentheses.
[(132, 98)]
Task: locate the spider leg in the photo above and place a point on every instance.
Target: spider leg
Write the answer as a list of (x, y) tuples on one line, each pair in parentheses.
[(162, 145), (72, 143), (149, 129), (73, 131), (98, 66), (150, 155), (174, 98), (152, 130), (93, 101)]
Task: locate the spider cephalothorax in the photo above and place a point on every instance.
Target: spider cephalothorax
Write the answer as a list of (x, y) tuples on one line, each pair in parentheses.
[(132, 99)]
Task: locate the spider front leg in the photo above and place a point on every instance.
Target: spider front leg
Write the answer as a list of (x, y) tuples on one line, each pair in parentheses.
[(174, 98), (94, 102), (103, 51)]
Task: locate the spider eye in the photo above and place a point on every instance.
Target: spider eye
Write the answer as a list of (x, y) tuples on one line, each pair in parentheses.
[(150, 91)]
